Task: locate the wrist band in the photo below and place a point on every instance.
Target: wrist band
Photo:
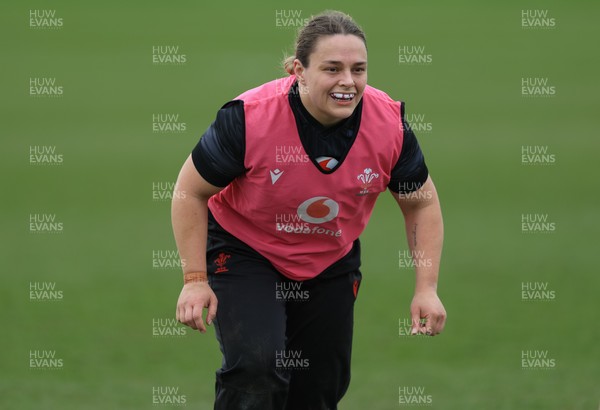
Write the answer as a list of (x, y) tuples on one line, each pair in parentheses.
[(194, 277)]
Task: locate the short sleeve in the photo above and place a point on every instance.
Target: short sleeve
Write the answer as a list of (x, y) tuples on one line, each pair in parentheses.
[(410, 172), (219, 155)]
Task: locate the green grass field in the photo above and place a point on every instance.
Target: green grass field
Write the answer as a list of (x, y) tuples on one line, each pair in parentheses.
[(107, 178)]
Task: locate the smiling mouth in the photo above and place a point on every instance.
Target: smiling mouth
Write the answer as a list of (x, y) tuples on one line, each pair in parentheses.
[(342, 96)]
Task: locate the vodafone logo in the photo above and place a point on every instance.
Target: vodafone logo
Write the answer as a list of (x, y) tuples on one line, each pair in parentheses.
[(318, 210)]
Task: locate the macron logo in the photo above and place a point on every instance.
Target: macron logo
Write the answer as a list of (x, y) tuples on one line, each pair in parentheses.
[(275, 175)]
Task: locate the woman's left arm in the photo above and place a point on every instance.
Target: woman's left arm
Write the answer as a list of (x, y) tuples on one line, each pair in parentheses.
[(425, 234)]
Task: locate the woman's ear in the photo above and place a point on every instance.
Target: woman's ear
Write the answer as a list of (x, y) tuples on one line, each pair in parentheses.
[(299, 71)]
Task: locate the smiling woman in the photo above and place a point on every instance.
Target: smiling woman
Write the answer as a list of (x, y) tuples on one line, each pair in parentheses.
[(332, 82), (331, 62), (279, 189)]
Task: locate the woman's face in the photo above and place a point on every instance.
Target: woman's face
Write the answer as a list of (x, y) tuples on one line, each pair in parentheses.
[(333, 83)]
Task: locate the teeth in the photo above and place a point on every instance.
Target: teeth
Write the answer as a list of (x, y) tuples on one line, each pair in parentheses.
[(343, 96)]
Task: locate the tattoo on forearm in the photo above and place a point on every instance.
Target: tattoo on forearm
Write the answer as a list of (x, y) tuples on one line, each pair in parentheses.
[(414, 232)]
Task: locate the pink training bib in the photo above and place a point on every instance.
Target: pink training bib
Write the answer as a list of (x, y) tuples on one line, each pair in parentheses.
[(284, 207)]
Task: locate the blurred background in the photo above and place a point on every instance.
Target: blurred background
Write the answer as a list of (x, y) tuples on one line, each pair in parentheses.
[(102, 102)]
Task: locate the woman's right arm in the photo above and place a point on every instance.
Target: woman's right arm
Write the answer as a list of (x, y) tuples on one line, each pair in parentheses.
[(189, 217)]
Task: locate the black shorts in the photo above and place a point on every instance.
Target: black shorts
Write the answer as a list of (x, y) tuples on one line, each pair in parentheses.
[(286, 344)]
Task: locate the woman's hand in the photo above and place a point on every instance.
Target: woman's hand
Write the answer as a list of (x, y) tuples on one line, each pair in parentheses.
[(427, 306), (194, 297)]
